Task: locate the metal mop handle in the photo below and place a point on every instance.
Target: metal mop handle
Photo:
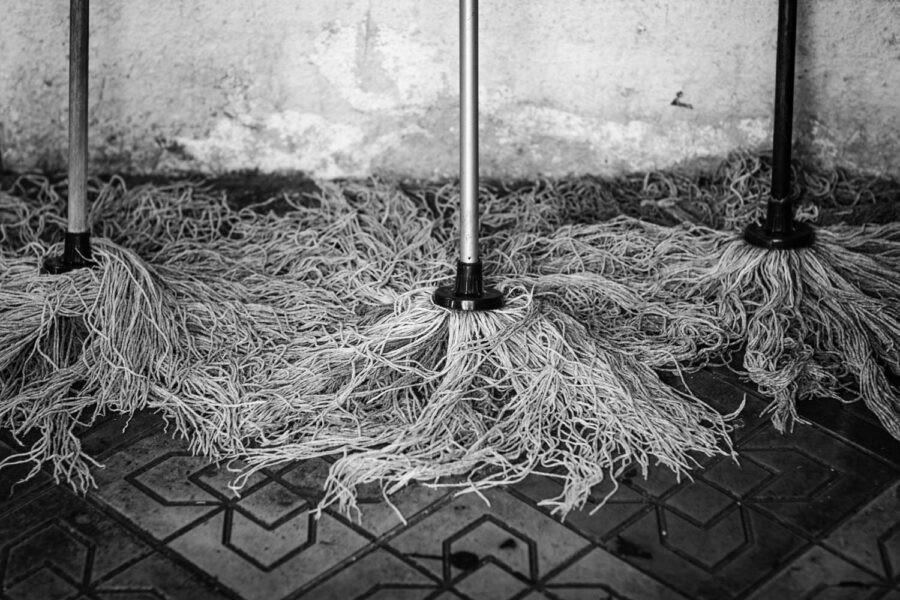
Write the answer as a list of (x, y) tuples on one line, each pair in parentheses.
[(468, 131), (77, 250), (779, 230), (469, 292)]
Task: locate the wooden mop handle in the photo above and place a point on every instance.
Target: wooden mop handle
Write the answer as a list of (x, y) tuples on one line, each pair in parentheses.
[(468, 131), (78, 116)]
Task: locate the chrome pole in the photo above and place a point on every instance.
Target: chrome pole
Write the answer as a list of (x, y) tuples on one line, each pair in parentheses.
[(468, 131)]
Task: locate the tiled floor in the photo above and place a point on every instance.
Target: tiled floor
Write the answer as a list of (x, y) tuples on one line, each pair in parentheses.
[(812, 514)]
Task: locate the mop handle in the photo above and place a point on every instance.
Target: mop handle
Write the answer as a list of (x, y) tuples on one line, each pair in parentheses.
[(784, 99), (468, 131), (78, 116)]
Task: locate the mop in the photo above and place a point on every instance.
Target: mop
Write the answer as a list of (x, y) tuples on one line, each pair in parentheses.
[(168, 310), (818, 310), (185, 306), (68, 325), (474, 386)]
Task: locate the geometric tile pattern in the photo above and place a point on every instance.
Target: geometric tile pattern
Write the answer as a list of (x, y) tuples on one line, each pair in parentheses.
[(810, 514)]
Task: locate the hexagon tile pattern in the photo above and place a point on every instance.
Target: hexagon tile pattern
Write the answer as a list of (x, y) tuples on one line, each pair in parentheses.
[(810, 514)]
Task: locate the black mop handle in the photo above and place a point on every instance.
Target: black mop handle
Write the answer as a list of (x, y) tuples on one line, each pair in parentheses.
[(784, 99), (779, 230)]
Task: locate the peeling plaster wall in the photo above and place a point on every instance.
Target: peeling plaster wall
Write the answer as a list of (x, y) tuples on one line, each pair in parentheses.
[(354, 87)]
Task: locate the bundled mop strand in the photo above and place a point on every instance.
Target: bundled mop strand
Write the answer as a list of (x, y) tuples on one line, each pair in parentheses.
[(499, 395), (78, 342), (207, 334), (601, 273), (819, 322)]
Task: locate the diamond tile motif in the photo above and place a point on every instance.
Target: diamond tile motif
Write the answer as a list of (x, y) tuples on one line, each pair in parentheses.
[(271, 505), (713, 563), (467, 527), (264, 543), (741, 479), (709, 545), (699, 503), (624, 507), (270, 564), (126, 485), (819, 478), (59, 545), (167, 480), (491, 580)]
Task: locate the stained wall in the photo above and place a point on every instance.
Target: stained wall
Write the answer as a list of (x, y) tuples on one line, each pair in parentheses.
[(353, 87)]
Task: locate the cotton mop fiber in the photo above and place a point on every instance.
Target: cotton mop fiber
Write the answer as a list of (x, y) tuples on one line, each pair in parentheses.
[(271, 337), (493, 386), (819, 311)]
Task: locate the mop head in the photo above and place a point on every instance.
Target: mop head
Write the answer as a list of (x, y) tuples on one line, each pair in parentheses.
[(818, 322), (276, 335), (493, 397), (75, 344), (210, 325), (273, 337)]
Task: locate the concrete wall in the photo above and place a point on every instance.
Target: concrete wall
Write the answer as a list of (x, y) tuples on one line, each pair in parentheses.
[(352, 87)]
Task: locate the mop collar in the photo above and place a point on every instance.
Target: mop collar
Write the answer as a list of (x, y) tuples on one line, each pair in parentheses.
[(76, 255), (469, 292)]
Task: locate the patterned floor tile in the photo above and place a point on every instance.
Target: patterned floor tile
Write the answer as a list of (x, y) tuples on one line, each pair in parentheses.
[(467, 536), (263, 543), (60, 542), (820, 574), (156, 577), (739, 478), (811, 514), (607, 511), (723, 390), (378, 574), (380, 519), (819, 479), (117, 431), (15, 489), (715, 560), (267, 565), (493, 580), (600, 574), (856, 424), (137, 483), (871, 537)]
